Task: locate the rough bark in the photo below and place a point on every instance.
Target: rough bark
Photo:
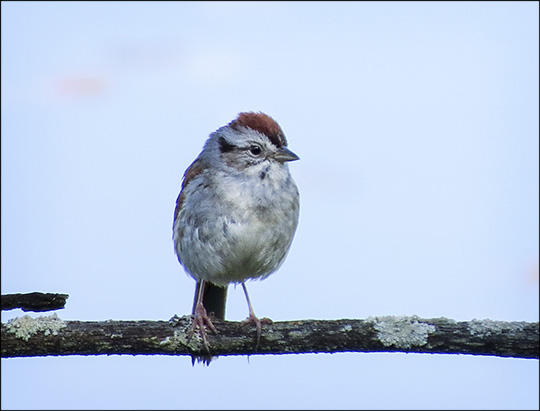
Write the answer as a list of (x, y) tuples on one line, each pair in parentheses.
[(50, 336), (34, 301)]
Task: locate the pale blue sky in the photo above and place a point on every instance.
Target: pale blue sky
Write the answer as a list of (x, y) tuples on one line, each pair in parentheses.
[(417, 127)]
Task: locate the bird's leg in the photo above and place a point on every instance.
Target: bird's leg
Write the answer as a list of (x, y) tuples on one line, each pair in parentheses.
[(252, 317), (200, 317)]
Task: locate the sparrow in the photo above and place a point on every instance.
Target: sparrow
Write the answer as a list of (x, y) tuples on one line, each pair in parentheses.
[(236, 215)]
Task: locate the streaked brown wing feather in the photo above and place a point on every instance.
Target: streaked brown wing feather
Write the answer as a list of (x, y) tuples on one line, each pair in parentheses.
[(192, 171)]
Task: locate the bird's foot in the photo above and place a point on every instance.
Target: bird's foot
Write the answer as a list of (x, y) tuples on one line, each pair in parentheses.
[(201, 320), (253, 319)]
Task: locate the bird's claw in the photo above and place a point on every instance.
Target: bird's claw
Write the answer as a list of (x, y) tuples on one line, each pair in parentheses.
[(201, 320), (253, 319)]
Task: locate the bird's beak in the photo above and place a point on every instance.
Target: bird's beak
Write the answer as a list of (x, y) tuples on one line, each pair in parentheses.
[(284, 154)]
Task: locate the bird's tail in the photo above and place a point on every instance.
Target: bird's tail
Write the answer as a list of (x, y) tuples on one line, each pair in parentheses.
[(214, 299)]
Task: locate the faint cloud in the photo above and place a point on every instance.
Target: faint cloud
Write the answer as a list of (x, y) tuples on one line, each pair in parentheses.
[(145, 55), (173, 56), (214, 65), (45, 89), (79, 86)]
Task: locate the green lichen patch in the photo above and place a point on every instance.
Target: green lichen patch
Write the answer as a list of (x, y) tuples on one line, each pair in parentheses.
[(401, 331), (25, 327)]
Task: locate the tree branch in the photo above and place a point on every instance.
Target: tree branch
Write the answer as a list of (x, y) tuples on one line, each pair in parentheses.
[(49, 335), (34, 301)]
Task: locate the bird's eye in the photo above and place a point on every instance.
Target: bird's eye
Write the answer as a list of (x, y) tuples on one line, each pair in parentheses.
[(255, 150)]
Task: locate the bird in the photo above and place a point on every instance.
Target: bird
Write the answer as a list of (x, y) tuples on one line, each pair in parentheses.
[(236, 215)]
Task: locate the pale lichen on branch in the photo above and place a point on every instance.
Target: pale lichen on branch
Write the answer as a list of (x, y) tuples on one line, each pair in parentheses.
[(401, 331), (25, 327)]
